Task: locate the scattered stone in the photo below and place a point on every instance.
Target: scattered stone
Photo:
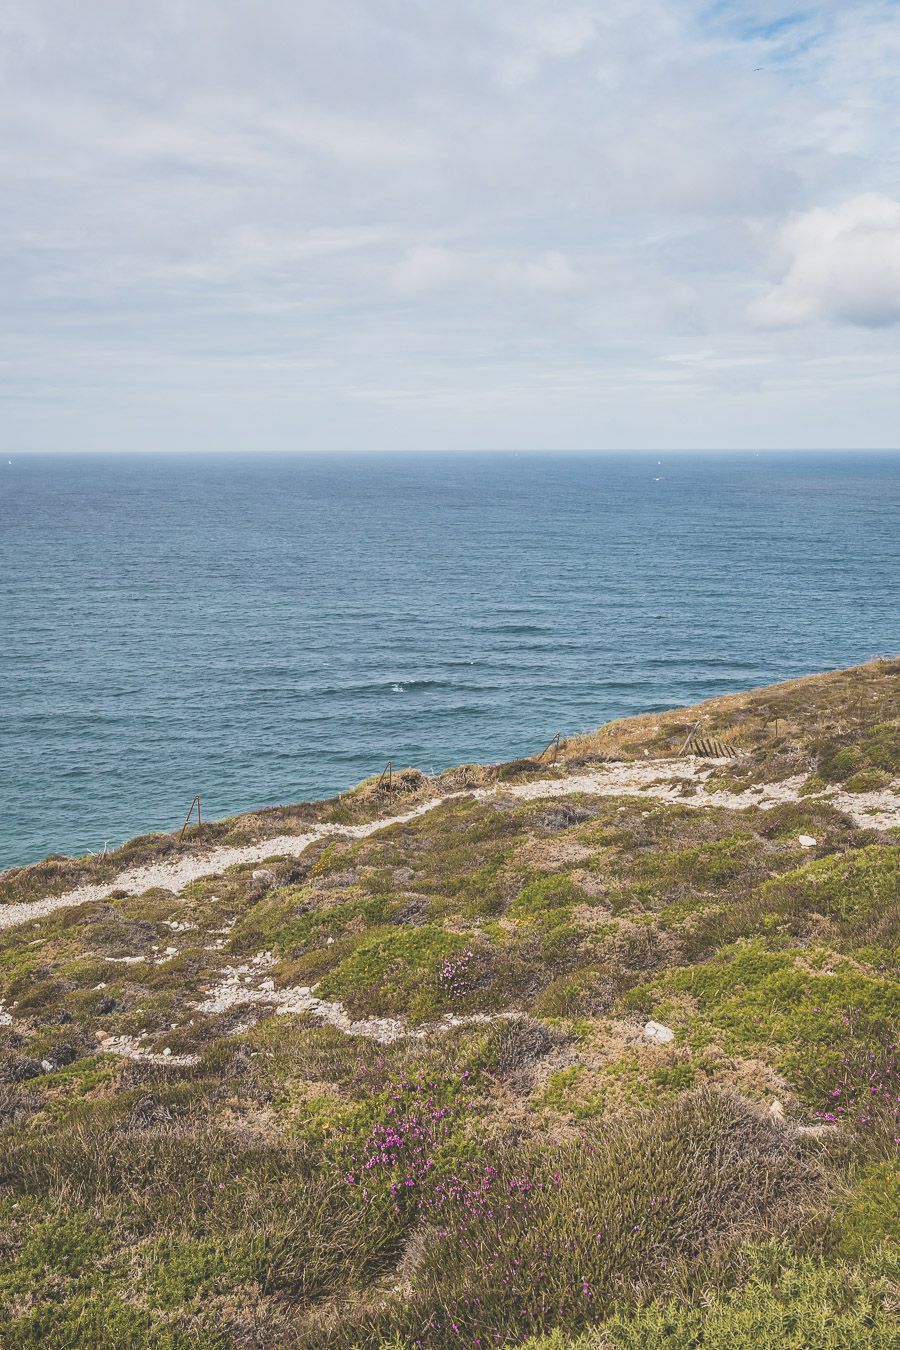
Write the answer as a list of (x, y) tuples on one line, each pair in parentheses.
[(129, 1048), (807, 841), (660, 1035), (776, 1110), (261, 882)]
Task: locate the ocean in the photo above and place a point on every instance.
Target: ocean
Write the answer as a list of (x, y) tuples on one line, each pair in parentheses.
[(268, 628)]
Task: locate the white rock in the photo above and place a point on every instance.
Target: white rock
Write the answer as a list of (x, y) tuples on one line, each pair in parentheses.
[(655, 1031), (167, 1050), (46, 1066), (807, 841), (776, 1110)]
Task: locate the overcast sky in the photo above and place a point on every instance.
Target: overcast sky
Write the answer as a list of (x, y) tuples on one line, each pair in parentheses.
[(439, 224)]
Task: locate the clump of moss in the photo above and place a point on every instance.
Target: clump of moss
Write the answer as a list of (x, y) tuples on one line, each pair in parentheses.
[(868, 1213), (568, 1093), (881, 746), (547, 901), (877, 752)]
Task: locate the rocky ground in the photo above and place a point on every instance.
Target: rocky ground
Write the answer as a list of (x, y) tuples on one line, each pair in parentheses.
[(593, 1049)]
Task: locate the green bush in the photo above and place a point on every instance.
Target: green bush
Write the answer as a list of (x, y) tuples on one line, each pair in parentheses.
[(395, 970), (533, 1237), (761, 1001), (784, 1302), (867, 780)]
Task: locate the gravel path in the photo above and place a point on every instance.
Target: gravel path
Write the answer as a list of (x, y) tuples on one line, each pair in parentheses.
[(175, 876), (248, 986), (681, 781)]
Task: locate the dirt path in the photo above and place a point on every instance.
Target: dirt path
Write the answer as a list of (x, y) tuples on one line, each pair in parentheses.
[(682, 781), (250, 987), (175, 876)]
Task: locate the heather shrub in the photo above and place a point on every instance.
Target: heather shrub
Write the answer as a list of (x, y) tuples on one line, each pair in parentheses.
[(527, 1238)]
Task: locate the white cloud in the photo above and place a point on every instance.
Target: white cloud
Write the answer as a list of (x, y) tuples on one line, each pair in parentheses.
[(541, 207), (428, 268), (552, 272), (843, 266)]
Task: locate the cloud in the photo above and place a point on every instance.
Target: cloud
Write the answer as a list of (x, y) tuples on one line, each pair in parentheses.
[(428, 268), (530, 213), (843, 266)]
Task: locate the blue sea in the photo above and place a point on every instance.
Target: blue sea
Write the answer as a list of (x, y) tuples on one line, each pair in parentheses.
[(264, 628)]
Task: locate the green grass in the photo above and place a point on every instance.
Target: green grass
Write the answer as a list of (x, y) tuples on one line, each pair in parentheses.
[(784, 1302), (558, 1235), (396, 971), (801, 1011), (553, 1175)]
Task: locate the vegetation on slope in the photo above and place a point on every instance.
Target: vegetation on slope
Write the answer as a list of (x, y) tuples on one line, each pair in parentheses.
[(533, 1169)]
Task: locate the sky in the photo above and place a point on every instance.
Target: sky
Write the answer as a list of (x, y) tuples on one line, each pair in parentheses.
[(440, 224)]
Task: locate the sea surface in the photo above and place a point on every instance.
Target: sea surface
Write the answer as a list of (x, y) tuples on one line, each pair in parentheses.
[(264, 628)]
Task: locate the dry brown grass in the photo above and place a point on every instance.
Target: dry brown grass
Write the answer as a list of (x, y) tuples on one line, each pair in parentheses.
[(798, 710)]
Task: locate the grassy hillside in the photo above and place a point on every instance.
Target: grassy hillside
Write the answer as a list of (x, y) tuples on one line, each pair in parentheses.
[(397, 1089)]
